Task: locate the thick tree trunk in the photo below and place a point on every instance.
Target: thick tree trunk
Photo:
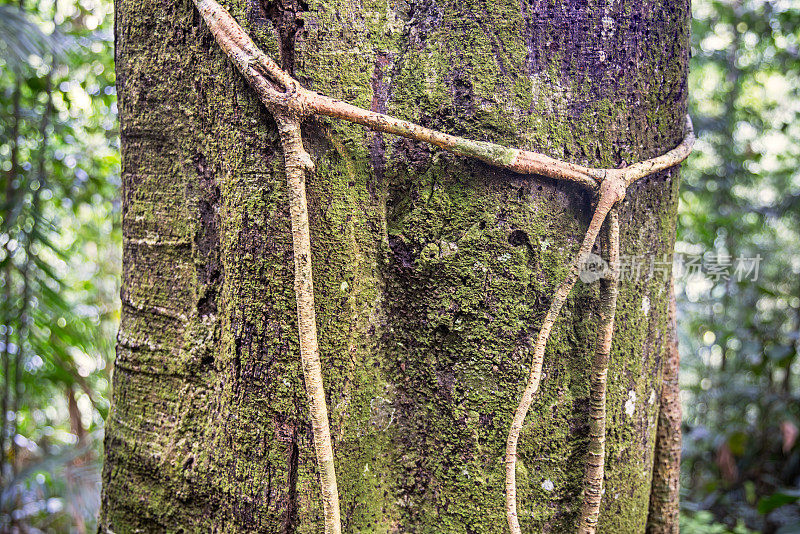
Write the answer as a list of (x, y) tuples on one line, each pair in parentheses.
[(432, 273)]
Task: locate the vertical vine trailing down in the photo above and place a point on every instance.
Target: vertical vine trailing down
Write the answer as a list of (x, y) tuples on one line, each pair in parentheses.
[(298, 163), (611, 191), (290, 103), (595, 462)]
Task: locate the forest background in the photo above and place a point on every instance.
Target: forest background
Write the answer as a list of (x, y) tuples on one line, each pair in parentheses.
[(737, 265)]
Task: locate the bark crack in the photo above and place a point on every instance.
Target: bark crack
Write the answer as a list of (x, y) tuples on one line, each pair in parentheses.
[(292, 506), (287, 18)]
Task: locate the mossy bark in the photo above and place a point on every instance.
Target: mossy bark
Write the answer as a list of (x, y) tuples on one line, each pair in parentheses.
[(431, 272)]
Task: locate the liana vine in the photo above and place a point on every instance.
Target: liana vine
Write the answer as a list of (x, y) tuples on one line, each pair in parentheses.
[(290, 104)]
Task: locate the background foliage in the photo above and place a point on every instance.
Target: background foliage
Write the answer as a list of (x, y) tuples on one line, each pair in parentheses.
[(740, 198), (59, 258), (60, 247)]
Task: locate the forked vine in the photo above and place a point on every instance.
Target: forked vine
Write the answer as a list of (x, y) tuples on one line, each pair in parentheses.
[(290, 103)]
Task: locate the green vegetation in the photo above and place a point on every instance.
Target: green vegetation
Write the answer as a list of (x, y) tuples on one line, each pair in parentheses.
[(740, 198), (60, 248), (59, 257), (703, 522)]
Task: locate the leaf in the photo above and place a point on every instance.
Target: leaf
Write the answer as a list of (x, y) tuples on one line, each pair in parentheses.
[(778, 499), (21, 38)]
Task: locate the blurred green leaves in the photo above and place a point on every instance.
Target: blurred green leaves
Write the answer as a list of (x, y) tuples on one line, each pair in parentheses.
[(741, 197), (22, 41), (778, 499), (703, 522), (59, 258)]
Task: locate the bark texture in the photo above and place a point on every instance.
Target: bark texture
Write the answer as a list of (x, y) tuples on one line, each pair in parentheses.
[(665, 497), (432, 272), (296, 164)]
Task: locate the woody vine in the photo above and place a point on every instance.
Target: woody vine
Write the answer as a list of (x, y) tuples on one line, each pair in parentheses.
[(290, 104)]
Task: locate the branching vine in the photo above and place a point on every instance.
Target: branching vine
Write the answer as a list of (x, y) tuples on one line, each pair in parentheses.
[(290, 103)]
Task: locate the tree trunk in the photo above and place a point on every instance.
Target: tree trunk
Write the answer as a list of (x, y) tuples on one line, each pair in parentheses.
[(432, 272)]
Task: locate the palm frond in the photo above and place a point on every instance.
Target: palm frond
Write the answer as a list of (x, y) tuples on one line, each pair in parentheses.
[(21, 38)]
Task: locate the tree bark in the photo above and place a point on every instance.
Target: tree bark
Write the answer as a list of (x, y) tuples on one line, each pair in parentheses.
[(665, 497), (432, 273)]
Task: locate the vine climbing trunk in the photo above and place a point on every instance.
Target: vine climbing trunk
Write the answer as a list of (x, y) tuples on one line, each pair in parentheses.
[(433, 273), (594, 473), (297, 163)]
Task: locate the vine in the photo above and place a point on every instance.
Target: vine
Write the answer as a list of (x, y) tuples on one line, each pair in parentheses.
[(290, 103)]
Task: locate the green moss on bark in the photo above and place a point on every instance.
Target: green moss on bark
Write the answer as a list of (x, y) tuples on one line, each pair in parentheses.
[(432, 272)]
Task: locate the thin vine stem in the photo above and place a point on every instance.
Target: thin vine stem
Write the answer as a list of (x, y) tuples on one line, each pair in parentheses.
[(595, 462), (279, 91), (297, 164), (610, 195)]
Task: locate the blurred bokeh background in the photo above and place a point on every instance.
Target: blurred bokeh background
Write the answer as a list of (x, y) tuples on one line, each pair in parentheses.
[(740, 198), (60, 245)]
